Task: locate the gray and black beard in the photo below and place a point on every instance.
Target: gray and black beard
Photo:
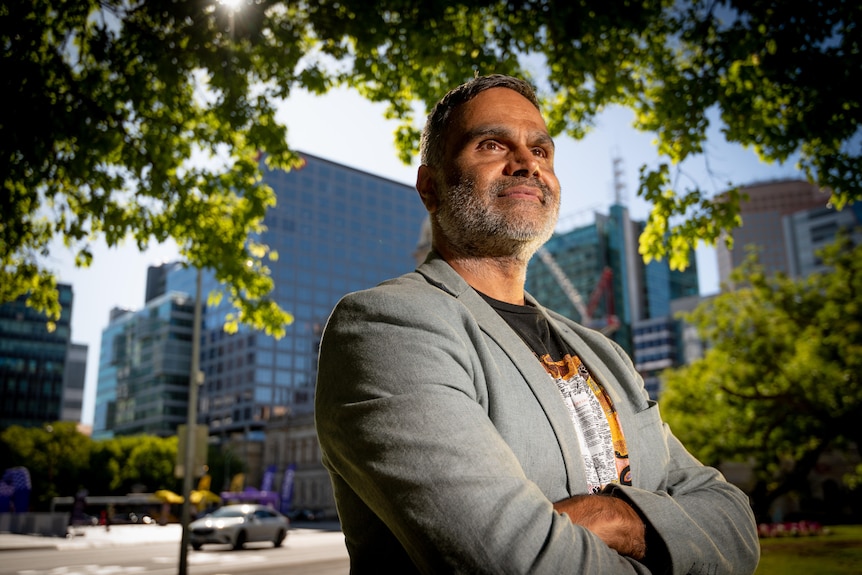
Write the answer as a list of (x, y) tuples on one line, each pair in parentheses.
[(475, 229)]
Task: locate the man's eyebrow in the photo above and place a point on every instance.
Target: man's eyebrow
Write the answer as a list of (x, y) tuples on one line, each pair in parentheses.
[(545, 139), (480, 132)]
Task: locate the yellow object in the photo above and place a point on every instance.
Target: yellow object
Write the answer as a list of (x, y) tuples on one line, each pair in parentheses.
[(168, 496), (204, 482), (203, 497), (237, 482)]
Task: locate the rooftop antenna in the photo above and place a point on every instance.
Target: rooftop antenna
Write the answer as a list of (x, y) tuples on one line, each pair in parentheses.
[(620, 196)]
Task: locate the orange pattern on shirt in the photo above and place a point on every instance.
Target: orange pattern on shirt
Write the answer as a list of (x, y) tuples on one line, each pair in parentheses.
[(566, 368)]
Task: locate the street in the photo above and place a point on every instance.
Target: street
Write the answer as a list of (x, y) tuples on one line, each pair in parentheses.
[(305, 552)]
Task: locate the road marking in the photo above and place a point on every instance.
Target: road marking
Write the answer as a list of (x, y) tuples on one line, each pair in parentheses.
[(195, 559)]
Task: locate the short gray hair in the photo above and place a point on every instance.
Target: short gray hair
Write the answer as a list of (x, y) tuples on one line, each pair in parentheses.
[(432, 142)]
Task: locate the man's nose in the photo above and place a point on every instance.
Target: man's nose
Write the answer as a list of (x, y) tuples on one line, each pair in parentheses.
[(522, 162)]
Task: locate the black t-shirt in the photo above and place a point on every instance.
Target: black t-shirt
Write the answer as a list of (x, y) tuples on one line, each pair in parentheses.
[(595, 420)]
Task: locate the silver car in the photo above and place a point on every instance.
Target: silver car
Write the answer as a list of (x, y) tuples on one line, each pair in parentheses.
[(237, 525)]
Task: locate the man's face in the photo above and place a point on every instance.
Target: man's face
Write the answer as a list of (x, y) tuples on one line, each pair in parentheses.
[(498, 195)]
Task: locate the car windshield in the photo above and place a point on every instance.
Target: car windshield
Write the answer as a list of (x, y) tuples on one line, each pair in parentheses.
[(228, 512)]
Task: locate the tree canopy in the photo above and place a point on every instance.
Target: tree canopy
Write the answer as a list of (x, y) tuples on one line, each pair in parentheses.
[(57, 456), (146, 119), (781, 382)]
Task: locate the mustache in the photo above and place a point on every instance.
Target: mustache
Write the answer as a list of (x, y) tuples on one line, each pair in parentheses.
[(500, 186)]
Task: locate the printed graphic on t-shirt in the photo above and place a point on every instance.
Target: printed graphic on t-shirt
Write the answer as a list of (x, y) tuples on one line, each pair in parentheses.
[(591, 410)]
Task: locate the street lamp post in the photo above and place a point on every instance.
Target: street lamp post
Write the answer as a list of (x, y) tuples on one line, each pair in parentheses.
[(191, 428)]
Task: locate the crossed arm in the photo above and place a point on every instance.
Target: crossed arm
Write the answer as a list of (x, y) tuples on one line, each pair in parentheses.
[(613, 520)]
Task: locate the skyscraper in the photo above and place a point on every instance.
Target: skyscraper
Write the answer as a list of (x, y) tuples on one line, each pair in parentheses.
[(763, 214), (336, 230), (74, 379), (144, 369), (33, 362), (601, 263)]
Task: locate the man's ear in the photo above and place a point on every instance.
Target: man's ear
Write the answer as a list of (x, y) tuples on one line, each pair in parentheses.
[(426, 185)]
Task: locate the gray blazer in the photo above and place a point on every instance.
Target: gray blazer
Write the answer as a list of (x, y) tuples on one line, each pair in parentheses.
[(447, 443)]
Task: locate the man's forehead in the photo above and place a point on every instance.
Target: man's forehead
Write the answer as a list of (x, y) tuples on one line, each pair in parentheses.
[(496, 112), (498, 100)]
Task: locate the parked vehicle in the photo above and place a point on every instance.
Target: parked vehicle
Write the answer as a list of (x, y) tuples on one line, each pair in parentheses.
[(237, 525)]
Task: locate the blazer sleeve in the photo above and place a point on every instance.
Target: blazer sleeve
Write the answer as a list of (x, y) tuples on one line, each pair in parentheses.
[(401, 416), (699, 523), (696, 521)]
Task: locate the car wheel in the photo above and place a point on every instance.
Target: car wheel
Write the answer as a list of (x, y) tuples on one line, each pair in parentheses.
[(197, 546), (279, 538), (240, 540)]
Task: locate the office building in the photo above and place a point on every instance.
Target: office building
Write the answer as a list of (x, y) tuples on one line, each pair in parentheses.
[(336, 230), (74, 379), (763, 227), (35, 387), (606, 285), (144, 369), (292, 445), (566, 276), (157, 280), (807, 232), (787, 221)]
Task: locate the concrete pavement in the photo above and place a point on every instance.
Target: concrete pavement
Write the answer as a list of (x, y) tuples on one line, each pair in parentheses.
[(118, 535), (94, 536)]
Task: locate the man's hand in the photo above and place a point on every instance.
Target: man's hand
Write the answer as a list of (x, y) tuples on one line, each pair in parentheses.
[(612, 519)]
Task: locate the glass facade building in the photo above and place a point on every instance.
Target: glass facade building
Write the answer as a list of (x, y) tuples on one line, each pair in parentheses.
[(74, 382), (33, 362), (144, 369), (581, 255), (336, 230), (808, 231)]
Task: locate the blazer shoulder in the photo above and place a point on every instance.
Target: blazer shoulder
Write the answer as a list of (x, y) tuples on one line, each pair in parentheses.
[(434, 280), (410, 293)]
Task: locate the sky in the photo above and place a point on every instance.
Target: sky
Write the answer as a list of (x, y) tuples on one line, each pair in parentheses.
[(344, 128)]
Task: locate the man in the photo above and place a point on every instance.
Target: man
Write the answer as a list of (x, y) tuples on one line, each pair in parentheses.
[(467, 429)]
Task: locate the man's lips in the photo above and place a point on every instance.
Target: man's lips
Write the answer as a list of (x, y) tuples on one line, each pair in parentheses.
[(521, 191)]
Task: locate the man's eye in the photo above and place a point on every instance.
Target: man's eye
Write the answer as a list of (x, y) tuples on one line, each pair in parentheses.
[(540, 152), (490, 145)]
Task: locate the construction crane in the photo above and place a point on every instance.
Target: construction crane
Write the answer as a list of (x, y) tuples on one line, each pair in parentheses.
[(604, 287), (565, 284)]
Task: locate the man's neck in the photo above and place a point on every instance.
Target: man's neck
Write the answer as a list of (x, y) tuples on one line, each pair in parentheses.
[(500, 278)]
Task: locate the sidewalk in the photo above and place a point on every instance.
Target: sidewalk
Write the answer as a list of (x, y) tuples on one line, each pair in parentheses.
[(97, 536)]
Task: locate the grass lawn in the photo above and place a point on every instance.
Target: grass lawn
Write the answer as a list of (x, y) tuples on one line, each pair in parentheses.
[(837, 553)]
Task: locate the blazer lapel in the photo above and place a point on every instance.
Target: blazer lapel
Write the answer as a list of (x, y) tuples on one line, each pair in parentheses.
[(439, 273), (625, 397)]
